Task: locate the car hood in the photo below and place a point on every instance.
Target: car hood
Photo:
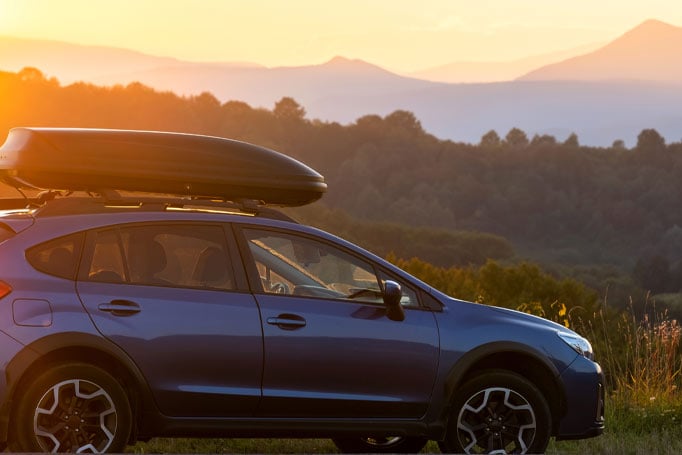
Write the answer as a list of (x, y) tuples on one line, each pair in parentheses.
[(515, 315), (531, 318)]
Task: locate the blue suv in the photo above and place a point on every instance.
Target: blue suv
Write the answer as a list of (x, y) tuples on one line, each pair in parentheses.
[(126, 316)]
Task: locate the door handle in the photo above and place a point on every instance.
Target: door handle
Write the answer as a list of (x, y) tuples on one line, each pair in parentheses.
[(120, 307), (287, 321)]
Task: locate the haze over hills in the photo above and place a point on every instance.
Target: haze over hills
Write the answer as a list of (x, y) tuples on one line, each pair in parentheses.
[(496, 71), (649, 52), (630, 84), (260, 86), (74, 62)]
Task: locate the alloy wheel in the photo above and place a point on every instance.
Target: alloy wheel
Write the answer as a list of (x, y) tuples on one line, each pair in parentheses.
[(496, 420), (75, 416)]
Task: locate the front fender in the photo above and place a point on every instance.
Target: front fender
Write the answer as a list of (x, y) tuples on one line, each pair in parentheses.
[(507, 355)]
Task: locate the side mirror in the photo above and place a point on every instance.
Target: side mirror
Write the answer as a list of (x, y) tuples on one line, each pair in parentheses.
[(392, 296)]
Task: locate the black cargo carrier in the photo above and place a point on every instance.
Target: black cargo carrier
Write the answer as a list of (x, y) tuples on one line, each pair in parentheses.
[(157, 162)]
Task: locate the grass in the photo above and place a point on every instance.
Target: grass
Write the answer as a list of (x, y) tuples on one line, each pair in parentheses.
[(654, 429), (619, 439), (629, 432), (187, 445)]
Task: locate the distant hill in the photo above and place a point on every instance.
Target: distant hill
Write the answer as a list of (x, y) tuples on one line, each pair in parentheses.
[(262, 86), (74, 62), (651, 51), (496, 71)]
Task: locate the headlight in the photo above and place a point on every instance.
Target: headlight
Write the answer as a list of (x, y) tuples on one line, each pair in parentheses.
[(580, 344)]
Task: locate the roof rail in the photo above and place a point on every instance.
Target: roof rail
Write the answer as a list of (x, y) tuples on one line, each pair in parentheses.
[(56, 204)]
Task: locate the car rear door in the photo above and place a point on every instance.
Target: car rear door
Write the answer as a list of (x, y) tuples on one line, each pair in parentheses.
[(167, 295)]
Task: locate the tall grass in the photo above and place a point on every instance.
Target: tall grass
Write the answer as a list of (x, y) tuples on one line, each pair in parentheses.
[(640, 355)]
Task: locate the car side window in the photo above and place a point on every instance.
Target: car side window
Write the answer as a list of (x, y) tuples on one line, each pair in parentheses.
[(296, 265), (58, 257), (194, 256)]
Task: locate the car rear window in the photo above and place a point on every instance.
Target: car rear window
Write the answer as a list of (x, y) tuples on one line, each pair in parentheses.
[(58, 257)]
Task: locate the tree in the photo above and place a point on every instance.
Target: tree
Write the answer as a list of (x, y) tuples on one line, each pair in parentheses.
[(652, 274), (516, 138), (404, 120), (370, 125), (545, 139), (490, 139), (288, 109), (650, 142), (31, 74), (572, 140), (618, 144), (207, 112)]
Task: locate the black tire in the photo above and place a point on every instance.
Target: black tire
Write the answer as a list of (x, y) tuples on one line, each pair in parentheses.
[(380, 444), (70, 407), (498, 411)]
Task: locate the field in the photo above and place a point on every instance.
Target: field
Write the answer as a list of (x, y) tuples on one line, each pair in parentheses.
[(659, 434), (654, 429)]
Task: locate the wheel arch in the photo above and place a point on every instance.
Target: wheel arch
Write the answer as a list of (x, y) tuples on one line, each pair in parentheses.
[(514, 357), (87, 348)]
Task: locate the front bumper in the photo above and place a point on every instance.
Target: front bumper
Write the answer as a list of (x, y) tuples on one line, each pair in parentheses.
[(584, 385)]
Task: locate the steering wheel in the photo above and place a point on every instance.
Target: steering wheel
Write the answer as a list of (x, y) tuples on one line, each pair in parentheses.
[(279, 288)]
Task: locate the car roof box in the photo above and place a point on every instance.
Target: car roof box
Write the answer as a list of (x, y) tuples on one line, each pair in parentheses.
[(157, 162)]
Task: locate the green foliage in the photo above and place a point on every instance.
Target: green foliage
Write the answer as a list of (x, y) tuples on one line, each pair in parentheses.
[(572, 140), (523, 287), (641, 357), (516, 138), (288, 109), (490, 139), (442, 247), (650, 141)]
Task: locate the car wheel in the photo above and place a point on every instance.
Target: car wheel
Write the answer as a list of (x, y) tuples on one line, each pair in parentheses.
[(72, 408), (498, 412), (380, 444)]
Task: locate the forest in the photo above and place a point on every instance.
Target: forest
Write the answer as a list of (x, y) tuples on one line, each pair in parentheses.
[(607, 217)]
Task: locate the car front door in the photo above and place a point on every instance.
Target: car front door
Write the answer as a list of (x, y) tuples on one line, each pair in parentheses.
[(330, 350), (166, 294)]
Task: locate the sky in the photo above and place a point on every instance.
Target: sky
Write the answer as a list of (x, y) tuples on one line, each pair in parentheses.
[(400, 35)]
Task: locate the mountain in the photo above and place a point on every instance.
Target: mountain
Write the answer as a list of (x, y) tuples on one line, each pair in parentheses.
[(493, 71), (649, 52), (73, 62), (260, 86), (598, 112)]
